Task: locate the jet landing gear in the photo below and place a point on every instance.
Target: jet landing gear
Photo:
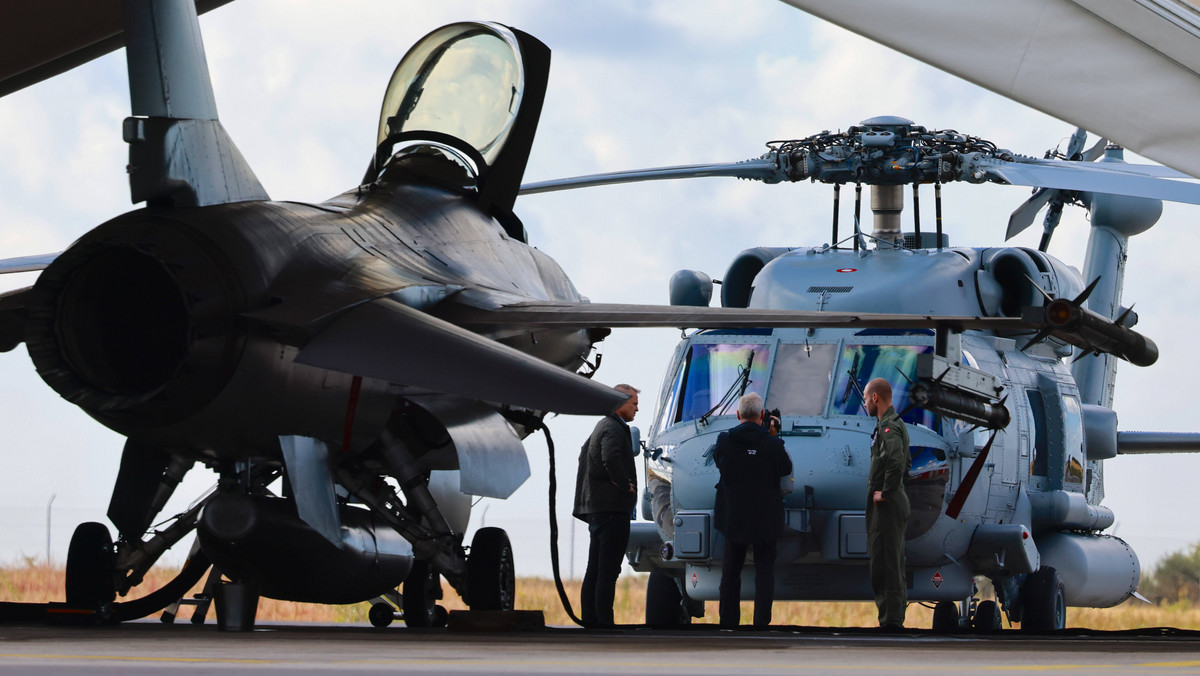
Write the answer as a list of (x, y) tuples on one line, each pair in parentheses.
[(422, 591), (91, 568), (491, 573)]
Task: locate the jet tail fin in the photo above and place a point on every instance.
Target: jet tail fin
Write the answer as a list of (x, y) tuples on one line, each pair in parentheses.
[(179, 154)]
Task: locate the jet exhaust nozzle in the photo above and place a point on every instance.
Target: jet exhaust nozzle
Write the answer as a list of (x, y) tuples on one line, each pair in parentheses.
[(135, 321)]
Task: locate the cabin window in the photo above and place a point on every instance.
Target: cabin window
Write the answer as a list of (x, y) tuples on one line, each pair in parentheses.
[(1072, 443), (801, 377), (896, 364), (711, 380), (1041, 452)]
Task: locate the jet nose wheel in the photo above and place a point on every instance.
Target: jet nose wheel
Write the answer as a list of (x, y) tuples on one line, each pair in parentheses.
[(91, 566), (422, 591), (491, 574)]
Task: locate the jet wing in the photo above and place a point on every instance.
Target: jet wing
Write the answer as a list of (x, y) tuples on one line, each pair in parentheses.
[(556, 315), (1123, 70), (49, 37), (388, 340)]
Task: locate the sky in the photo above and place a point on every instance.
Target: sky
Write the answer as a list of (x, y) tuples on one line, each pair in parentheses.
[(633, 84)]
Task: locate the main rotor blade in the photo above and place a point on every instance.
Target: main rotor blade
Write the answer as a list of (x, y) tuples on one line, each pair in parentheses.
[(1091, 177), (27, 263), (1093, 64), (1023, 216), (559, 315), (390, 341), (1096, 151), (759, 169)]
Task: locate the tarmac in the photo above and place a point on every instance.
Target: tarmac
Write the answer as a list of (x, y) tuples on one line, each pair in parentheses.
[(149, 647)]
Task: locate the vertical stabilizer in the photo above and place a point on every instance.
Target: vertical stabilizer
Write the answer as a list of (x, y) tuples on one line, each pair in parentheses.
[(179, 154), (1115, 218)]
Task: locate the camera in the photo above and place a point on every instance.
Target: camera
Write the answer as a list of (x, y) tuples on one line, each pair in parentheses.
[(774, 420)]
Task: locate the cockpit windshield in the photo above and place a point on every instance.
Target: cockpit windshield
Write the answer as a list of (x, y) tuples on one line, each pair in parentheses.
[(712, 378), (896, 364), (800, 378), (465, 80)]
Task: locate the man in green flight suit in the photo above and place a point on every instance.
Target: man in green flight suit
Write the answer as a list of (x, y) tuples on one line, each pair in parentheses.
[(887, 505)]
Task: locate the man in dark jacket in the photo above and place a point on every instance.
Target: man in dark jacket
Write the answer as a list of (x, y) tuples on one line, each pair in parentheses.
[(749, 508), (887, 505), (605, 495)]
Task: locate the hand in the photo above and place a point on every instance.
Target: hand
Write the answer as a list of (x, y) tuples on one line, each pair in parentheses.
[(632, 488), (774, 426), (878, 497)]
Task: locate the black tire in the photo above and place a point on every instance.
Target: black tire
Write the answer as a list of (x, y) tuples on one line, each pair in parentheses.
[(422, 591), (987, 617), (91, 567), (381, 615), (441, 616), (1044, 604), (491, 573), (664, 602), (945, 617)]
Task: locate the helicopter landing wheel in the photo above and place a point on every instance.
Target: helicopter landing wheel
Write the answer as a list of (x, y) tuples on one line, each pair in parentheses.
[(987, 617), (1043, 602), (491, 573), (422, 591), (945, 617), (91, 567)]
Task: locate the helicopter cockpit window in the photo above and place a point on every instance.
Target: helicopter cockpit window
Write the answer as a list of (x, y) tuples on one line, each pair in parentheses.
[(465, 81), (800, 378), (896, 364), (712, 377)]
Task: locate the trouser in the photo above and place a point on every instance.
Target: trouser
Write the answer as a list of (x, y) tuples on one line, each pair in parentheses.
[(886, 523), (609, 533), (731, 582)]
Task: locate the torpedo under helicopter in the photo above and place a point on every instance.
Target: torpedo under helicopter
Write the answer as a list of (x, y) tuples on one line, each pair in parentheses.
[(1009, 434)]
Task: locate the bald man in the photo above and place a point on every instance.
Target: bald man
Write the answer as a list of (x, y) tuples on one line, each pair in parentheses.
[(887, 505)]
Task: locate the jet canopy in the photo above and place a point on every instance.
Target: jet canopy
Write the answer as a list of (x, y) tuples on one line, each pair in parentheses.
[(464, 81)]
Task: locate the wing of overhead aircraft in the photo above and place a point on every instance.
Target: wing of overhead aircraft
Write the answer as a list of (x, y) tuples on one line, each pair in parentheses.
[(1134, 75), (45, 38)]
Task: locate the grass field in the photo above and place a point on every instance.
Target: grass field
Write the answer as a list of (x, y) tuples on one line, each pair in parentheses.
[(32, 581)]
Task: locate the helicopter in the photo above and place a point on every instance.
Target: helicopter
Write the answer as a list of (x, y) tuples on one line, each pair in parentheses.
[(1008, 441)]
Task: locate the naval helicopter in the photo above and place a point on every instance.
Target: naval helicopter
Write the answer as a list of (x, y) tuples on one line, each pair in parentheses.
[(1009, 429)]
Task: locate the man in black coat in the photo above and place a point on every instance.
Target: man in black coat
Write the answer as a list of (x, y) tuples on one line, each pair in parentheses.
[(749, 508), (605, 495)]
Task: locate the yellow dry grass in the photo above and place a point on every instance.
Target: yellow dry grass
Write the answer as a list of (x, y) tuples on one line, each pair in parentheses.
[(32, 582)]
